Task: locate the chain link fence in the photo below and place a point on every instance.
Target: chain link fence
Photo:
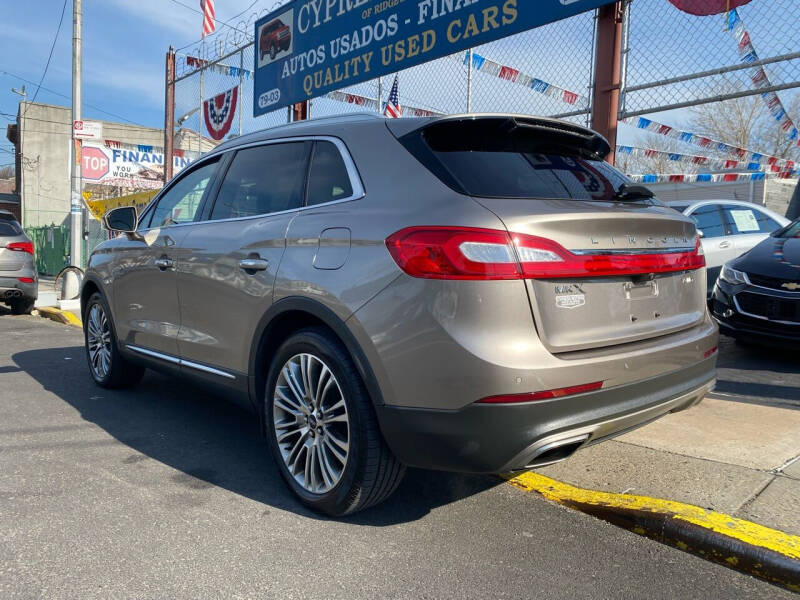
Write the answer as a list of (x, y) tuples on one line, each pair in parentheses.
[(527, 73), (700, 94)]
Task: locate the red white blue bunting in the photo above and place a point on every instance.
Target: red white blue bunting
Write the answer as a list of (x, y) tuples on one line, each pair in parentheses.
[(199, 63), (706, 162), (490, 67), (701, 141), (372, 104), (707, 177), (218, 112), (747, 55)]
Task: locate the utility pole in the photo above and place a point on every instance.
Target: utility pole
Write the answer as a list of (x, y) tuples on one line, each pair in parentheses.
[(76, 205)]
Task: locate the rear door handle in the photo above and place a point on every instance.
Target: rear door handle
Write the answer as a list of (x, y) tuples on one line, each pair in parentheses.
[(254, 264), (725, 244), (164, 263)]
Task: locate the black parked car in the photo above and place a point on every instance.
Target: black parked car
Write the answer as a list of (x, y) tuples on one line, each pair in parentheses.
[(757, 296)]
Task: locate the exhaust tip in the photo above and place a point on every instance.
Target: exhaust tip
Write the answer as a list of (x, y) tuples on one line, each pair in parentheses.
[(557, 451)]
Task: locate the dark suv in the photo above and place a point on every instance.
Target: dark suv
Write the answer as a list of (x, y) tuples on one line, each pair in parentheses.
[(275, 36), (469, 293), (18, 279)]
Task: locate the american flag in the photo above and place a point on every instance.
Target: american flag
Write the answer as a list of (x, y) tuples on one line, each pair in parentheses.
[(207, 7), (393, 110)]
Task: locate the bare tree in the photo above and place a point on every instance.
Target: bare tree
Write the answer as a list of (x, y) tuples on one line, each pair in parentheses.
[(747, 123), (7, 172)]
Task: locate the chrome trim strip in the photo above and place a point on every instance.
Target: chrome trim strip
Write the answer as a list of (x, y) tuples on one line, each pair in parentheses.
[(212, 370), (674, 250), (763, 287), (179, 361), (763, 318), (154, 354)]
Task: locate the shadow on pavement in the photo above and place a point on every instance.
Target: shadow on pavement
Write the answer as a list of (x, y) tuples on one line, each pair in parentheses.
[(214, 441)]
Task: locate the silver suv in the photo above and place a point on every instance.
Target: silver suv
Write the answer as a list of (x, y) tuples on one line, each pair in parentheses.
[(469, 293), (18, 278)]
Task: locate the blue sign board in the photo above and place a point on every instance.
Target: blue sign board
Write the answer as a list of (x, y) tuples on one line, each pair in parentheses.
[(308, 48)]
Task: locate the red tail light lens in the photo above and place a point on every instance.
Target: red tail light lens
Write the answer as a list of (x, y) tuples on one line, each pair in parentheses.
[(543, 395), (472, 253), (26, 279), (21, 247), (453, 253)]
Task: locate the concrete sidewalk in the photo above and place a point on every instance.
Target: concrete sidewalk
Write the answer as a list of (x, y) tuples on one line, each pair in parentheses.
[(728, 455)]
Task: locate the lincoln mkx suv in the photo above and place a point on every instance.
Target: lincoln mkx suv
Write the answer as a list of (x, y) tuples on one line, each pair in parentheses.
[(468, 293)]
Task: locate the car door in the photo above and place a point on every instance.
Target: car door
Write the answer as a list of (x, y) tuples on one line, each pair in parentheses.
[(145, 298), (716, 239), (227, 271), (749, 224)]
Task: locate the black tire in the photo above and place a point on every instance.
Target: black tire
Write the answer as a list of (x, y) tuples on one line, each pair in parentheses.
[(21, 306), (272, 52), (371, 473), (121, 373)]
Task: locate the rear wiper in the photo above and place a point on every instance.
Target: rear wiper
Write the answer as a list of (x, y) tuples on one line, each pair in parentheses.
[(631, 191)]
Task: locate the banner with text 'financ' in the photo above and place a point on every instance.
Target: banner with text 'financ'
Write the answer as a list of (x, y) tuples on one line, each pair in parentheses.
[(308, 48)]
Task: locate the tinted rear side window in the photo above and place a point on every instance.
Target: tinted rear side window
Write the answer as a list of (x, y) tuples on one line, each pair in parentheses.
[(9, 228), (709, 221), (263, 180), (328, 179)]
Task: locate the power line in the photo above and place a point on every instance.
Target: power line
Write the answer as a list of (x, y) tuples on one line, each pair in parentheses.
[(105, 112), (50, 56)]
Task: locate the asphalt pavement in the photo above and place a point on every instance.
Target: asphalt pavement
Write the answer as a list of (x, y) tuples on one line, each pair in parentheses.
[(168, 492)]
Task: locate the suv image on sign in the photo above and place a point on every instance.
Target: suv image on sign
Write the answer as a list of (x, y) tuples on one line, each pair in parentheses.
[(275, 36), (492, 298), (18, 278)]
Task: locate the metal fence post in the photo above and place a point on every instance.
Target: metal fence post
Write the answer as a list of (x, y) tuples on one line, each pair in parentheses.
[(469, 80), (241, 84), (380, 94), (608, 57), (169, 114)]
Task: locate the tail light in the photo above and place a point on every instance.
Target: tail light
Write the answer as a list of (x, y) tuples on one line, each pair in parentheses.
[(472, 253), (25, 279), (21, 247), (543, 395)]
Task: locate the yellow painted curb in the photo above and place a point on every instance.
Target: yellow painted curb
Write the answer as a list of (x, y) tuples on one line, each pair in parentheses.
[(59, 316), (744, 531)]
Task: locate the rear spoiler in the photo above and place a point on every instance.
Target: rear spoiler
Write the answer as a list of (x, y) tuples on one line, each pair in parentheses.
[(520, 133)]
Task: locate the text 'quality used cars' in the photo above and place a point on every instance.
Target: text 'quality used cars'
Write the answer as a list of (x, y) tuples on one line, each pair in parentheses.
[(473, 293)]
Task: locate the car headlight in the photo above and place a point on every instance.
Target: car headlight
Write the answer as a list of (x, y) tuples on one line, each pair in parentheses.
[(731, 275)]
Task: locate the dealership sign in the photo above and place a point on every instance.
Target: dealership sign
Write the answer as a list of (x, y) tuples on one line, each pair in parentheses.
[(131, 168), (308, 48)]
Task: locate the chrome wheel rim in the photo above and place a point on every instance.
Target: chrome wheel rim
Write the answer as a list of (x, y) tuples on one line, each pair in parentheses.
[(312, 426), (98, 340)]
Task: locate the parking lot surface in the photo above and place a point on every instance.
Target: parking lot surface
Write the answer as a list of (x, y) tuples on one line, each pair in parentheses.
[(168, 491)]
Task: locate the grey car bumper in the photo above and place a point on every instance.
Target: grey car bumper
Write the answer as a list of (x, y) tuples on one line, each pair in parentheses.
[(10, 285), (498, 438)]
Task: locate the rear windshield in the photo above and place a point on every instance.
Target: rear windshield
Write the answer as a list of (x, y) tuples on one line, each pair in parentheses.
[(497, 160), (9, 228)]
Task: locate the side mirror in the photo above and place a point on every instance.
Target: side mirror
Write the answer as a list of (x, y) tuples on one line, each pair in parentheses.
[(122, 218), (700, 232)]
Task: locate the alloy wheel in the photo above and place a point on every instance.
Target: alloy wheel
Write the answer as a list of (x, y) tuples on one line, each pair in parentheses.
[(311, 423), (98, 339)]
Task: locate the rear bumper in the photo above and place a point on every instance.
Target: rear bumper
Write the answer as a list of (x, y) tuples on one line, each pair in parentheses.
[(10, 285), (498, 438)]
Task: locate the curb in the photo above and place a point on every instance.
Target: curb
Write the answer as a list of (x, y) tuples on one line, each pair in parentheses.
[(59, 316), (742, 545)]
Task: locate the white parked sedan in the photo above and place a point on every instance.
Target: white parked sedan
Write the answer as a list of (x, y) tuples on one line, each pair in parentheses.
[(728, 229)]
